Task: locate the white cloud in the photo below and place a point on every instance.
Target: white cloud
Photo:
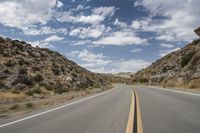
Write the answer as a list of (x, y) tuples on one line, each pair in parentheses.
[(165, 52), (98, 15), (26, 13), (124, 37), (104, 11), (53, 38), (59, 4), (44, 30), (120, 23), (166, 45), (81, 42), (166, 37), (136, 50), (46, 42), (90, 59), (97, 62), (135, 25), (132, 65), (180, 17), (83, 32)]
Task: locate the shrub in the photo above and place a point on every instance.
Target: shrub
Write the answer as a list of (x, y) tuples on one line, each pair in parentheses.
[(37, 91), (38, 78), (10, 63), (49, 87), (26, 79), (23, 70), (56, 71), (185, 59), (164, 69), (16, 106), (15, 92), (17, 44), (61, 90), (1, 85), (143, 80), (29, 92), (29, 105)]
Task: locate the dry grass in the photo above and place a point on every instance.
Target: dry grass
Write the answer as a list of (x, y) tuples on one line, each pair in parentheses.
[(30, 104), (11, 96)]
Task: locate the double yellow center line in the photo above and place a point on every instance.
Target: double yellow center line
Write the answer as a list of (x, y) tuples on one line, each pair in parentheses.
[(134, 124)]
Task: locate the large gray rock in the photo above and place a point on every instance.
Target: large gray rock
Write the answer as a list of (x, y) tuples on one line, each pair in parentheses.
[(197, 31)]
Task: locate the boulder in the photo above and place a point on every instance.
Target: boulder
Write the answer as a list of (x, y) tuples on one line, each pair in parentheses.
[(197, 31), (20, 86)]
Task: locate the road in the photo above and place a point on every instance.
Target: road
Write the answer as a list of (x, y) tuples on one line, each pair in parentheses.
[(105, 113), (164, 111)]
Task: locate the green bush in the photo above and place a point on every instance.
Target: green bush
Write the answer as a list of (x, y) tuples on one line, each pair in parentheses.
[(23, 70), (29, 105), (10, 63), (61, 90), (17, 44), (37, 91), (16, 106), (56, 71), (1, 85), (38, 78), (143, 80), (186, 59), (15, 91)]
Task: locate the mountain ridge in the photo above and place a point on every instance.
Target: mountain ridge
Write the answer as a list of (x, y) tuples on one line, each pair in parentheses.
[(180, 68), (40, 70)]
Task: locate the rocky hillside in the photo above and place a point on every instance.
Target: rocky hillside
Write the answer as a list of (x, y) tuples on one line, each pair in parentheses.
[(177, 69), (40, 70)]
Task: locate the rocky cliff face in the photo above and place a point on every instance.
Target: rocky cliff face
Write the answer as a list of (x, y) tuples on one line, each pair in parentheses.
[(40, 70), (177, 69)]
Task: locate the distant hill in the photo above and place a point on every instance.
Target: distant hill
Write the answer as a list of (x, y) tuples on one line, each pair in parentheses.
[(177, 69), (40, 70), (123, 74)]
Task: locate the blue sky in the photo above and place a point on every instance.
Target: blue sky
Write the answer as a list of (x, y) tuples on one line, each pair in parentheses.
[(107, 36)]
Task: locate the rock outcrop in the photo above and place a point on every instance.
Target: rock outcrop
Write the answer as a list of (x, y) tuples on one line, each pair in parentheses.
[(29, 69), (197, 31), (177, 69)]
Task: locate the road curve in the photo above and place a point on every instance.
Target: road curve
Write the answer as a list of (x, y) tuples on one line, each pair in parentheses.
[(106, 113), (164, 111)]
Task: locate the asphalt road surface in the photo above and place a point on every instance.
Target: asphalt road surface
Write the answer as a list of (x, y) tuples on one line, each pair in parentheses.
[(104, 113), (164, 111)]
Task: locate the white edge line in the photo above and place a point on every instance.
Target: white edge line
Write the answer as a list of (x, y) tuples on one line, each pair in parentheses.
[(63, 106), (189, 93)]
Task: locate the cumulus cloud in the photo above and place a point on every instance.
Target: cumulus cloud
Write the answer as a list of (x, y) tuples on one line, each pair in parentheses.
[(124, 37), (166, 37), (165, 52), (167, 45), (90, 59), (179, 17), (120, 23), (26, 13), (97, 62), (46, 42), (98, 15), (53, 38), (136, 50), (44, 30), (93, 32)]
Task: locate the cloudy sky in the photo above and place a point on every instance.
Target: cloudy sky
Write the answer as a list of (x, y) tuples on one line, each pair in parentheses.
[(103, 35)]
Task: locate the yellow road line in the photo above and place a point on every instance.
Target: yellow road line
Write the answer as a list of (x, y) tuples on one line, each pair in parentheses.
[(139, 119), (129, 128)]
